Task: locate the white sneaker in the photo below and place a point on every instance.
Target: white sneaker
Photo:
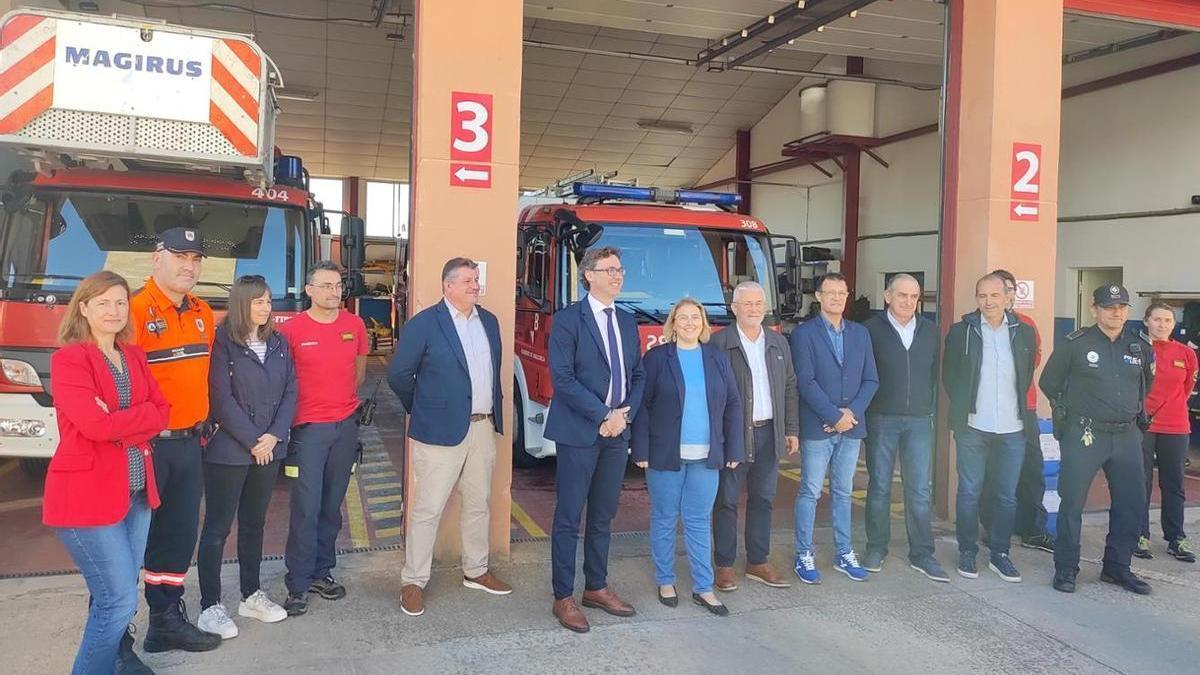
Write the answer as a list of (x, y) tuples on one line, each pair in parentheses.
[(259, 606), (216, 620)]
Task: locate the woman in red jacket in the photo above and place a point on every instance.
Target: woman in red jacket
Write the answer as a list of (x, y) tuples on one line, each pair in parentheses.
[(1166, 442), (100, 485)]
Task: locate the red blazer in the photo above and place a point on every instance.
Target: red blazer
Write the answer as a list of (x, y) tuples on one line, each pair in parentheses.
[(87, 484)]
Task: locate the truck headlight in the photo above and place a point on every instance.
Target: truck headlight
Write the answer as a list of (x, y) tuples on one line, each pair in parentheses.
[(20, 372), (22, 428)]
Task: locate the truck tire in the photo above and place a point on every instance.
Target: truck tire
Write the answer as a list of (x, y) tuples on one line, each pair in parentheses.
[(521, 459), (34, 467)]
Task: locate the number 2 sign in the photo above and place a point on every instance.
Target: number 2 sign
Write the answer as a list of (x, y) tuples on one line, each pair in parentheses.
[(470, 139), (1026, 182)]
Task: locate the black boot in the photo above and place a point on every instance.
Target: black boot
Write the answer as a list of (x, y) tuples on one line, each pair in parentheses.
[(170, 629), (128, 662)]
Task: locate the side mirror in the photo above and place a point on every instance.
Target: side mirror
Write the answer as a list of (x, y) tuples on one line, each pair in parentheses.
[(354, 243)]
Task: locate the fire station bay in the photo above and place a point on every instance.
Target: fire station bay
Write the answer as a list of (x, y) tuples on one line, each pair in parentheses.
[(711, 143)]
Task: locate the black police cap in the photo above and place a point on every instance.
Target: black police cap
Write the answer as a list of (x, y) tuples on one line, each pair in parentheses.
[(181, 240), (1107, 296)]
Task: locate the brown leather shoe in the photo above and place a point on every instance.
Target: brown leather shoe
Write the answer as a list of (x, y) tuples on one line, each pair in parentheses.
[(412, 600), (608, 601), (570, 616), (766, 574), (489, 583), (724, 579)]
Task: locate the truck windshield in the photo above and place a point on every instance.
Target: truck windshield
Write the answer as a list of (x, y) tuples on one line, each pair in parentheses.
[(60, 237), (663, 264)]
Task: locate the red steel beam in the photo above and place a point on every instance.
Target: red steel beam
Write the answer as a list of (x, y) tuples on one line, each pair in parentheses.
[(742, 169), (1174, 12)]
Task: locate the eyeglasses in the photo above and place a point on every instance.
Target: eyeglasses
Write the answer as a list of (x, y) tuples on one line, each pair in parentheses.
[(613, 272), (329, 286), (834, 294)]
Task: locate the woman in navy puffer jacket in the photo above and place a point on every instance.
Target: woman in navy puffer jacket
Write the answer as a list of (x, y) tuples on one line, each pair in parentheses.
[(252, 386)]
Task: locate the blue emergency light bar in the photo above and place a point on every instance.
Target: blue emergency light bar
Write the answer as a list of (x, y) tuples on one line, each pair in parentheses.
[(600, 191)]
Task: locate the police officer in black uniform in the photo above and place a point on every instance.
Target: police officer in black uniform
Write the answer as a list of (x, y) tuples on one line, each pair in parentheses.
[(1097, 382)]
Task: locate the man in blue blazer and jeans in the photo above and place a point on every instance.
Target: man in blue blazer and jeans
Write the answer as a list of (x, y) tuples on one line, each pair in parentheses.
[(835, 372), (596, 370), (446, 372)]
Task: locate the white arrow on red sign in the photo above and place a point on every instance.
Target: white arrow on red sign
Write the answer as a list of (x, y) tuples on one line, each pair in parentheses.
[(471, 175), (1025, 209)]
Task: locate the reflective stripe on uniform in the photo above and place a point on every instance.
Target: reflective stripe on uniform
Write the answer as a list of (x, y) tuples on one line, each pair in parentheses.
[(178, 353)]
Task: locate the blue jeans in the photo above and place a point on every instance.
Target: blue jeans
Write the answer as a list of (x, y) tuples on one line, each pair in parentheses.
[(999, 455), (690, 493), (110, 559), (838, 456), (911, 439)]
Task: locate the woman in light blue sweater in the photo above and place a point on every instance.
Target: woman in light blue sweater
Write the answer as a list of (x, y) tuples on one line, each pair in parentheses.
[(688, 428)]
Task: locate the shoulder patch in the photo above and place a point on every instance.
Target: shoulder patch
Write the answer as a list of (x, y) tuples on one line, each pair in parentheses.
[(1078, 333)]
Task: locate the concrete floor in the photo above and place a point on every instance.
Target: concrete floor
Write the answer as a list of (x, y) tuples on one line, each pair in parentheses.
[(898, 622)]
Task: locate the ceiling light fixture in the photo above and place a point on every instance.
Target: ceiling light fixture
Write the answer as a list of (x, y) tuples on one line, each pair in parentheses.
[(853, 13), (297, 94), (792, 41), (745, 33), (669, 126), (770, 18), (800, 4), (820, 29)]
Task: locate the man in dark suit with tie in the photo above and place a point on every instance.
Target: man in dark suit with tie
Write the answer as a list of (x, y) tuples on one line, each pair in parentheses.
[(596, 369), (446, 372)]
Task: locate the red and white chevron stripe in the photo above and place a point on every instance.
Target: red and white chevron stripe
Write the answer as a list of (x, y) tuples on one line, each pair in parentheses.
[(26, 70), (234, 108), (27, 56)]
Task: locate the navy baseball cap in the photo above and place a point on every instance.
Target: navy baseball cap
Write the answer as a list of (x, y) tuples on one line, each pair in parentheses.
[(181, 240), (1108, 296)]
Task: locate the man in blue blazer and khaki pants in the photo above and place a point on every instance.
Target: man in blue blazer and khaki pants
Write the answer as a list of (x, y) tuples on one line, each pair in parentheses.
[(596, 370), (446, 372)]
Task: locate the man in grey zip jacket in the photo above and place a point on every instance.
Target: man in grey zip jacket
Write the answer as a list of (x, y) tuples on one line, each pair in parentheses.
[(987, 368), (766, 379)]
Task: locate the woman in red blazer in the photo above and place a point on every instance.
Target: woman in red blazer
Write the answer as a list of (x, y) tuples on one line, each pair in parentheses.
[(100, 485)]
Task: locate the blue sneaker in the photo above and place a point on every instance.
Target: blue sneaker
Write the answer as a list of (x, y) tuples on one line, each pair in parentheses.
[(847, 563), (806, 568), (966, 565), (1003, 567)]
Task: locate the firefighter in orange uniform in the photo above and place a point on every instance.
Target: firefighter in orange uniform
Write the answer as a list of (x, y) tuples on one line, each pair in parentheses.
[(176, 329)]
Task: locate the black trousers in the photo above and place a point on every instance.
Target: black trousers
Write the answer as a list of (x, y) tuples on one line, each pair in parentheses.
[(1167, 452), (233, 490), (172, 540), (759, 478), (1031, 486), (1120, 456), (321, 456)]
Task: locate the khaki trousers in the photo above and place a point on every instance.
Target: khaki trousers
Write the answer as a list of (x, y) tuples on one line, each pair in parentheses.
[(436, 468)]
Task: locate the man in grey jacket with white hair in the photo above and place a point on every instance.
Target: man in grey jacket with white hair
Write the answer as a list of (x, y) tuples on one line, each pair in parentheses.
[(762, 366)]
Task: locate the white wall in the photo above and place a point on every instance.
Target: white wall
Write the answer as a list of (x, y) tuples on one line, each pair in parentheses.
[(1132, 148)]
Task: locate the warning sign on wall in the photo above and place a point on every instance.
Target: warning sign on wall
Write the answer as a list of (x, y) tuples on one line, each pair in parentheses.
[(1024, 295)]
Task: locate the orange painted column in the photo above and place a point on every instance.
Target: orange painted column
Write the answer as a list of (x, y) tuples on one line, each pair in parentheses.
[(465, 153), (1001, 163)]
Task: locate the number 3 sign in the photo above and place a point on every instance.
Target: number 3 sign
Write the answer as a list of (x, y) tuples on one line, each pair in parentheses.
[(470, 139)]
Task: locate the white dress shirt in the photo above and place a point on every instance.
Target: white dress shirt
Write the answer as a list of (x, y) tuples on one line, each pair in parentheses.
[(756, 356), (907, 332), (479, 357), (602, 321), (997, 405)]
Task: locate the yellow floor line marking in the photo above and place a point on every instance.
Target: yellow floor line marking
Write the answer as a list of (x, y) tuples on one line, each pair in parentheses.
[(385, 499), (388, 532), (379, 487), (18, 504), (358, 523), (390, 513), (526, 522)]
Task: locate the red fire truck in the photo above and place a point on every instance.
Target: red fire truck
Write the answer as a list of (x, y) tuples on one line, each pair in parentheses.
[(674, 243), (134, 127)]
